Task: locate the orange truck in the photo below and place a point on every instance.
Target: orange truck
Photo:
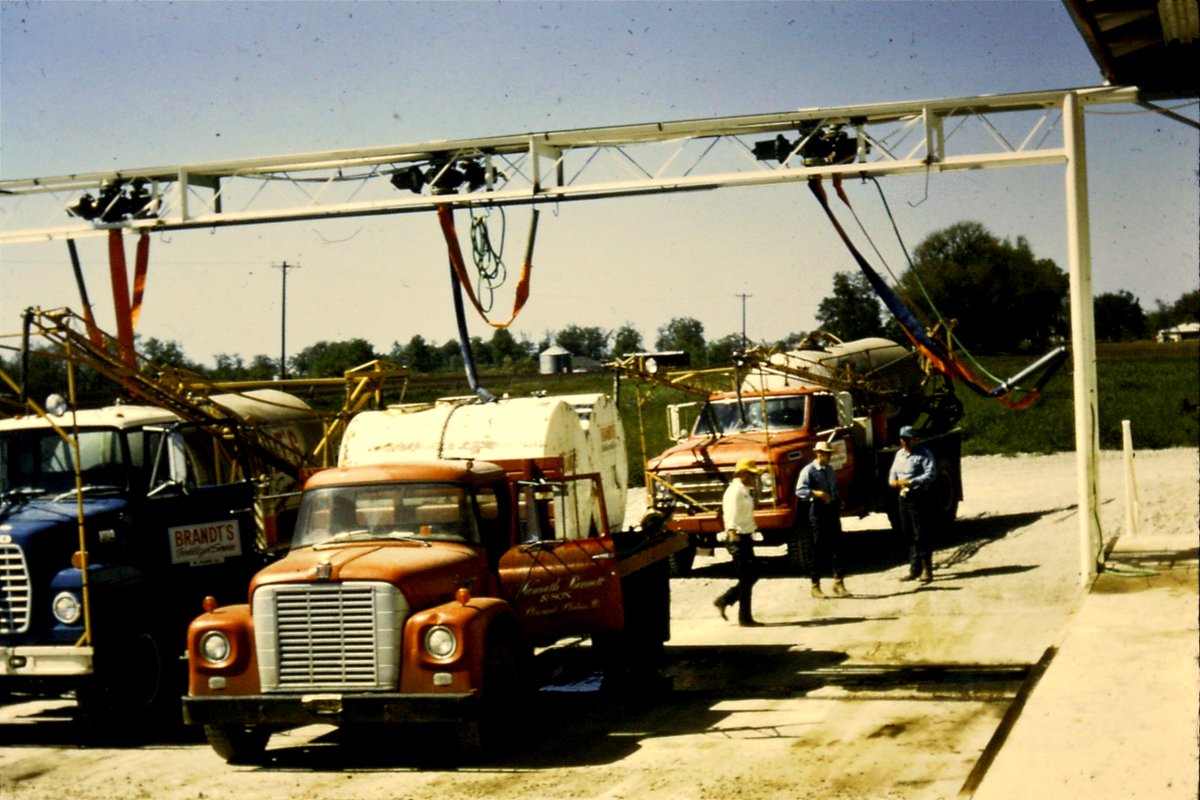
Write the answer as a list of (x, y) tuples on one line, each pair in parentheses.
[(855, 395), (417, 591)]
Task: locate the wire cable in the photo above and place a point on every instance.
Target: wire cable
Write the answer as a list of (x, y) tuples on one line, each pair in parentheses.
[(489, 262)]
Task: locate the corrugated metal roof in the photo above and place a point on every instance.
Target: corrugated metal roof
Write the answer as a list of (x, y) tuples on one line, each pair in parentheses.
[(1150, 44)]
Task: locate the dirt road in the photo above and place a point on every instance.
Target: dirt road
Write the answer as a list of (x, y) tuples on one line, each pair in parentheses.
[(893, 693)]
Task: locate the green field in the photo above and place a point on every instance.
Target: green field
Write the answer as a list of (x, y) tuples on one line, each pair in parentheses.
[(1155, 386)]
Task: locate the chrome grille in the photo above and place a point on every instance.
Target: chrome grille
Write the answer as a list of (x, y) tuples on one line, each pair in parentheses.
[(328, 636), (703, 486), (15, 590)]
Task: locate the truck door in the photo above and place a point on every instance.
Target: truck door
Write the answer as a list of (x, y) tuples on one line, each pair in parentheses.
[(197, 523), (560, 587)]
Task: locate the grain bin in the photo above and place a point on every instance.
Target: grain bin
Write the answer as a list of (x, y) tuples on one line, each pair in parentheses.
[(554, 360)]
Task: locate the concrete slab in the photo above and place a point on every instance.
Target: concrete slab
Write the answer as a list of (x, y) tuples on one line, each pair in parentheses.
[(1116, 713)]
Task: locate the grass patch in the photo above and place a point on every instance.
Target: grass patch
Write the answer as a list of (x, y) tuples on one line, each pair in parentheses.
[(1155, 386)]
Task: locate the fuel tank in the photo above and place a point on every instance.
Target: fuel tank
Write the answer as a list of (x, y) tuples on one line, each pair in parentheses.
[(510, 428)]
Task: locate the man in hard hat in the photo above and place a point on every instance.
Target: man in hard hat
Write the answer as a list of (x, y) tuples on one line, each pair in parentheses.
[(816, 491), (913, 472), (737, 509)]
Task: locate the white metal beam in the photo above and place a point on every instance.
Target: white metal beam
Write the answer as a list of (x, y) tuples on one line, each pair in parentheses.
[(654, 158)]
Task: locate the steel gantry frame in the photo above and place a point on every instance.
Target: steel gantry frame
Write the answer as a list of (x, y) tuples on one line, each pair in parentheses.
[(551, 167), (902, 138)]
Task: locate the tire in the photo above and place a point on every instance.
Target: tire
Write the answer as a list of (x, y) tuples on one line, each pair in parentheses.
[(681, 561), (136, 687), (495, 723), (945, 498), (238, 745), (795, 551)]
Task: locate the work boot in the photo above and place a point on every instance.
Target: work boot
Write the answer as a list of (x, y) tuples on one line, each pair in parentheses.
[(926, 573), (839, 588), (721, 606), (816, 591)]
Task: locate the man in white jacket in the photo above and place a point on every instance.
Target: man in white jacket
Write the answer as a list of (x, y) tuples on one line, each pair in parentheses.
[(737, 509)]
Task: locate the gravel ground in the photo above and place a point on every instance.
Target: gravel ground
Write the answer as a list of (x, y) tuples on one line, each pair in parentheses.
[(894, 693)]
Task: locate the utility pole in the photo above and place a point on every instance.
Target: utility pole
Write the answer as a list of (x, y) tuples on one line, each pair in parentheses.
[(283, 268), (745, 342)]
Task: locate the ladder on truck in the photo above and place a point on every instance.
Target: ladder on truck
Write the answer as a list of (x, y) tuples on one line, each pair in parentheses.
[(188, 394)]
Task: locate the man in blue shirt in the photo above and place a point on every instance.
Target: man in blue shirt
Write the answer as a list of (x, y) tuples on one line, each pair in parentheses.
[(816, 490), (913, 472)]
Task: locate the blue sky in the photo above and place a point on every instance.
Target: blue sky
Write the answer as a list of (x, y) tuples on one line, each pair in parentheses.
[(94, 86)]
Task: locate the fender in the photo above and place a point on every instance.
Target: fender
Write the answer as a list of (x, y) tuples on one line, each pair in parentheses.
[(121, 590), (471, 624), (238, 673)]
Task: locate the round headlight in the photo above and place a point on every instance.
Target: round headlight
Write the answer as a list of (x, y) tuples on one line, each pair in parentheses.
[(214, 647), (440, 642), (67, 608)]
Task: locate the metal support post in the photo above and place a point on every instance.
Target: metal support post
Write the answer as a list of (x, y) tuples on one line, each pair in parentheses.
[(1083, 340)]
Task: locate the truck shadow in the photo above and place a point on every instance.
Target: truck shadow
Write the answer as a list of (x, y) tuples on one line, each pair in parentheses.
[(581, 724), (575, 720), (879, 548), (33, 721)]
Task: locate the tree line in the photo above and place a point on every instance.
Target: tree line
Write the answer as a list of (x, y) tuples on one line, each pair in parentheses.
[(996, 295)]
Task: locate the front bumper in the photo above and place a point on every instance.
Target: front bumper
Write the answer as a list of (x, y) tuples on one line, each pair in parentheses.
[(294, 710), (778, 518), (45, 661)]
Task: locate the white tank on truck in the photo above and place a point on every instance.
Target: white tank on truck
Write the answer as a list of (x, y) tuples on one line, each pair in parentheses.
[(601, 422), (884, 363), (282, 416), (510, 428)]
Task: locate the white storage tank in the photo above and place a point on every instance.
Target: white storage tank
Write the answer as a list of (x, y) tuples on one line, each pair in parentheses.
[(282, 416), (601, 422), (512, 428), (883, 361)]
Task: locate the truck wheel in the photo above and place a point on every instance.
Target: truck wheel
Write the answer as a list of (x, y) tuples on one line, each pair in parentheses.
[(135, 688), (238, 745), (945, 497), (498, 708), (681, 561), (795, 550)]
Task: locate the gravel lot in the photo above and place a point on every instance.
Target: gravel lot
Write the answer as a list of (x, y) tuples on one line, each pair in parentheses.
[(893, 693)]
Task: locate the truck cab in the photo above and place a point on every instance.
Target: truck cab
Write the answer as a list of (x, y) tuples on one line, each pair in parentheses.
[(414, 591), (156, 511)]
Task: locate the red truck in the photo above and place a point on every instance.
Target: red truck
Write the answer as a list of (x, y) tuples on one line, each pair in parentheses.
[(416, 592), (854, 395)]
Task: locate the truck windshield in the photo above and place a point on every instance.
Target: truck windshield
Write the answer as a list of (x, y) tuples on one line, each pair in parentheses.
[(39, 461), (782, 413), (397, 511)]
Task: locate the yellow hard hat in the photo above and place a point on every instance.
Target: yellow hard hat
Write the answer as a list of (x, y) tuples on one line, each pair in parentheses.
[(746, 465)]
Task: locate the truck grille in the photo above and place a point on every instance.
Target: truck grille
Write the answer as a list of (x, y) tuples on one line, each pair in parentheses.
[(14, 590), (703, 486), (329, 636)]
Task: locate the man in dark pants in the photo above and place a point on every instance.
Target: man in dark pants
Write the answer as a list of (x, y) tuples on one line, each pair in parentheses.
[(737, 509), (816, 491), (913, 472)]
